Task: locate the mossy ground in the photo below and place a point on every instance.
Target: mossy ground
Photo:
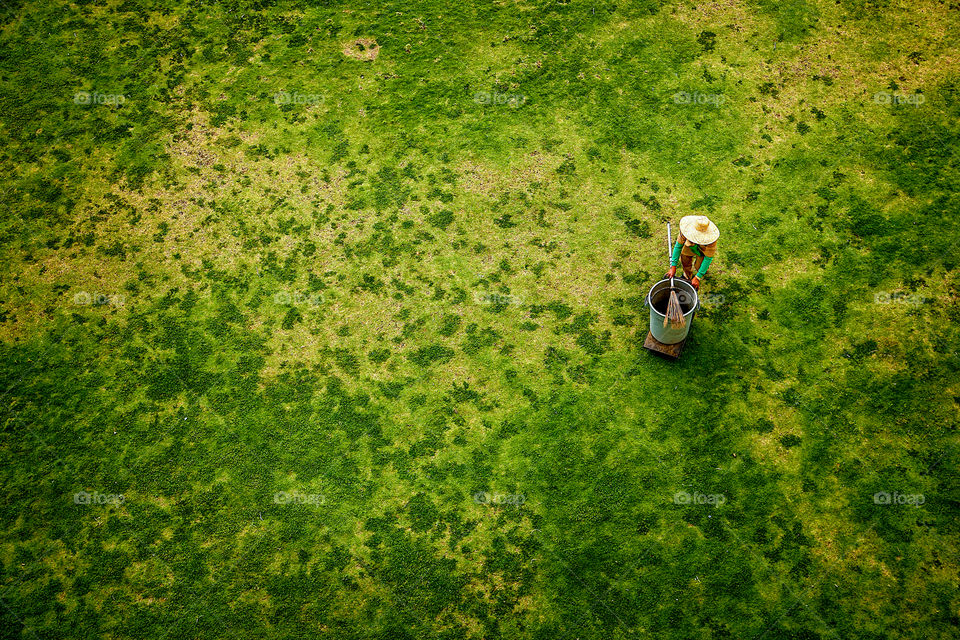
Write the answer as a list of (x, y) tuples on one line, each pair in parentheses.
[(405, 278)]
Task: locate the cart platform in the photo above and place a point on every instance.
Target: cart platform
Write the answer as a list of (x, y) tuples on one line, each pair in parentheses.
[(668, 351)]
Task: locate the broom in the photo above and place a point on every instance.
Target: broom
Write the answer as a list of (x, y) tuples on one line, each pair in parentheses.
[(674, 311)]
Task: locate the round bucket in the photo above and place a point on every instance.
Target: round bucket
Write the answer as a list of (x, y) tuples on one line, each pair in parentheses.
[(657, 300)]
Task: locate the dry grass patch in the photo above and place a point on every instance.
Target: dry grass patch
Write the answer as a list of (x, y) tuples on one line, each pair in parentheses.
[(363, 49)]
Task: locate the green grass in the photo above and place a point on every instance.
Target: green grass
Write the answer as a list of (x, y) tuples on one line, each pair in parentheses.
[(366, 361)]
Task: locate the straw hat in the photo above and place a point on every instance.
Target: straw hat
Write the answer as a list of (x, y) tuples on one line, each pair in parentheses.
[(699, 229)]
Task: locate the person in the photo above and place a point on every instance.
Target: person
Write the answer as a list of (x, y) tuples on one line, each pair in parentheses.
[(695, 249)]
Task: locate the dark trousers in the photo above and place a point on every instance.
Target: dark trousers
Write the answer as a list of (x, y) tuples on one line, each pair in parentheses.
[(690, 264)]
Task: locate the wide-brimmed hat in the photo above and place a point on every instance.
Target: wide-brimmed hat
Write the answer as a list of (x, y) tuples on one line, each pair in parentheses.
[(699, 229)]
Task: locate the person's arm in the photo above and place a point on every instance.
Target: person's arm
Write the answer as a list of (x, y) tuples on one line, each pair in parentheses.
[(702, 271), (675, 257)]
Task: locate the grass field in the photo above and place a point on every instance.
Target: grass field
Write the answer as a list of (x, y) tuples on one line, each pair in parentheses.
[(324, 320)]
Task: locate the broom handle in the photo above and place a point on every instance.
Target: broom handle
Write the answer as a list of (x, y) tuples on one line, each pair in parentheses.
[(669, 250)]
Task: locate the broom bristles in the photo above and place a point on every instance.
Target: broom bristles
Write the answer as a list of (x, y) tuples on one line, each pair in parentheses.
[(674, 312)]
